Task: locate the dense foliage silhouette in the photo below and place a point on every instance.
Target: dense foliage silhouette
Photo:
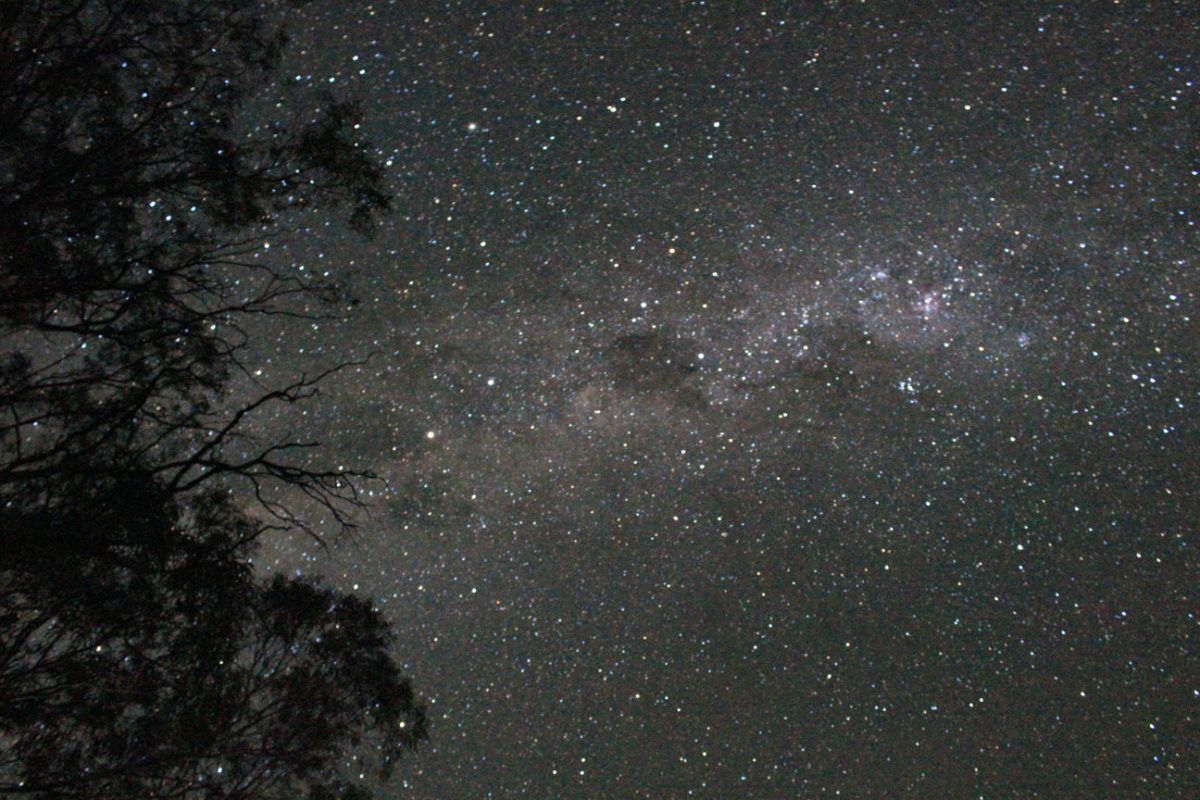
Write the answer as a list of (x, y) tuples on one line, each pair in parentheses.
[(140, 655)]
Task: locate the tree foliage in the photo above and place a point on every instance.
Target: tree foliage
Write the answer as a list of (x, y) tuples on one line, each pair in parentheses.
[(135, 202), (140, 655)]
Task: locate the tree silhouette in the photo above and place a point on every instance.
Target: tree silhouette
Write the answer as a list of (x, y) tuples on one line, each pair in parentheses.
[(140, 655), (134, 204)]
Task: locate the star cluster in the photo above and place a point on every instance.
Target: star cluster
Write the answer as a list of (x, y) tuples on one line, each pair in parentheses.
[(779, 399)]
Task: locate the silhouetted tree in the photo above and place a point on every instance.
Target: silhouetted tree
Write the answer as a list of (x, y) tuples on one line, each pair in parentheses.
[(135, 198), (140, 655)]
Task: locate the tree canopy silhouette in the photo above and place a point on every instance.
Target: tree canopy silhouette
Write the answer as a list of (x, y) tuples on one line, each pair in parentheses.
[(140, 655), (135, 200)]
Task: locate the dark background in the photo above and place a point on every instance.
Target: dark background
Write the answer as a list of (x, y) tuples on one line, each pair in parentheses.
[(778, 399)]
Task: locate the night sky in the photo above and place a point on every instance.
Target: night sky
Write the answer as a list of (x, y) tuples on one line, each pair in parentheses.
[(777, 400)]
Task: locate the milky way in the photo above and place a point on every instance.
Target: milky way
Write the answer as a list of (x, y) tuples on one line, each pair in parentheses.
[(776, 400)]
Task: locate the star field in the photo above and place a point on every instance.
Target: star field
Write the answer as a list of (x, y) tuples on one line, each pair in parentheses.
[(775, 400)]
